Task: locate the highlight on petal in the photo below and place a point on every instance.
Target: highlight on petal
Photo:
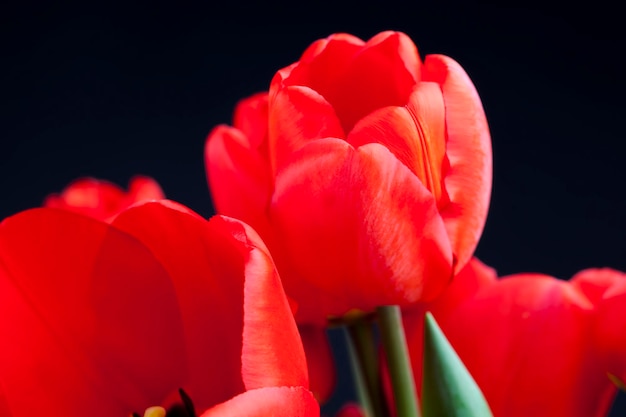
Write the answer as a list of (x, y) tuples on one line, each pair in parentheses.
[(272, 352), (373, 227), (469, 177), (268, 402), (94, 323)]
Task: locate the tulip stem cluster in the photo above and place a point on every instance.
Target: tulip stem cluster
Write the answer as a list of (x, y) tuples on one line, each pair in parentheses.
[(358, 374), (361, 340), (364, 352), (397, 355)]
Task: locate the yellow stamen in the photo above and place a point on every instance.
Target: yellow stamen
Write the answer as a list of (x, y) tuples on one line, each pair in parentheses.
[(154, 412)]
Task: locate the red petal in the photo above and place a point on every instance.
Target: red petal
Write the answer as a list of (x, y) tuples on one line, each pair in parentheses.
[(238, 176), (217, 267), (268, 402), (415, 134), (594, 282), (272, 352), (321, 65), (526, 342), (251, 119), (319, 360), (468, 180), (358, 225), (474, 277), (611, 329), (88, 196), (298, 115), (93, 322), (103, 200), (4, 405), (382, 74), (207, 269), (143, 189)]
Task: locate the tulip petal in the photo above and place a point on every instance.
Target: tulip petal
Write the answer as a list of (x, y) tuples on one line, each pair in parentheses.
[(382, 74), (468, 180), (238, 176), (272, 353), (595, 282), (91, 317), (102, 200), (610, 334), (268, 402), (358, 225), (89, 196), (533, 356), (298, 115), (143, 189), (223, 261), (207, 269), (321, 64), (4, 405), (319, 360), (415, 134), (472, 278), (251, 119)]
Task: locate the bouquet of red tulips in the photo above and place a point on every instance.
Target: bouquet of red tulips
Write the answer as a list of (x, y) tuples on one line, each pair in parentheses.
[(352, 194)]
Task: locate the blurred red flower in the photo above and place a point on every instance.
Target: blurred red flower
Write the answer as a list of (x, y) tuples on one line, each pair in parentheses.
[(366, 171), (103, 200), (107, 319), (532, 342)]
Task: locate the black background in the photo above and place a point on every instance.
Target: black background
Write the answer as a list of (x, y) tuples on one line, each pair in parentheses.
[(110, 92)]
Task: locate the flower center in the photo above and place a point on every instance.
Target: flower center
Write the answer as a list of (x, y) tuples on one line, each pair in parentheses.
[(184, 408)]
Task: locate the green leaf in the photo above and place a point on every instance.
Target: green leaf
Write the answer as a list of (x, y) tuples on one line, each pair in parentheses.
[(448, 389)]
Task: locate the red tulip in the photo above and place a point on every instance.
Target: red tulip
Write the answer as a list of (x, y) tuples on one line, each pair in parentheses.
[(366, 171), (527, 339), (606, 288), (105, 319), (103, 200)]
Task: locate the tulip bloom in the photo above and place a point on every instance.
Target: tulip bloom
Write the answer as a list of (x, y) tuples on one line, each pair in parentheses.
[(366, 171), (105, 319), (528, 340), (103, 200)]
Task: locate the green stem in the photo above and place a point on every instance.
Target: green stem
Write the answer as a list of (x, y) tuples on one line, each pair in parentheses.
[(358, 376), (362, 335), (397, 354)]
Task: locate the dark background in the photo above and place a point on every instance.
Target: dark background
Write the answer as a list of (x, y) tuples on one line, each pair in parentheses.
[(110, 92)]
